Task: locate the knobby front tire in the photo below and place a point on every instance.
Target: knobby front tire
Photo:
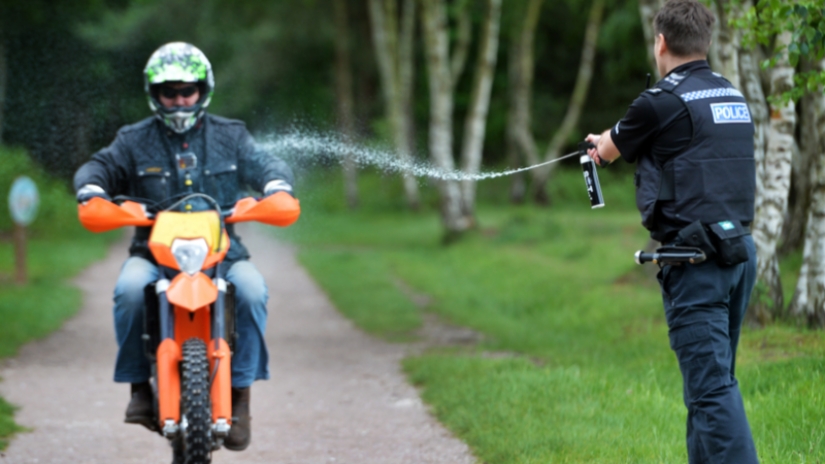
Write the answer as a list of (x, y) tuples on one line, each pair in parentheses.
[(196, 404)]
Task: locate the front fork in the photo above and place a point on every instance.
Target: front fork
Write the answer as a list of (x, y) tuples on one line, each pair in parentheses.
[(169, 357), (219, 362)]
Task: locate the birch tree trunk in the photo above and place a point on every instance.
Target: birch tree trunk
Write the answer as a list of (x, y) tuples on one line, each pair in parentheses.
[(476, 120), (772, 198), (793, 232), (406, 79), (727, 43), (441, 77), (808, 303), (394, 56), (754, 94), (799, 198), (521, 64), (577, 100), (343, 90)]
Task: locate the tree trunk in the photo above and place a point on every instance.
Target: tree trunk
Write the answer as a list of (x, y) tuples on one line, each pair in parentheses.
[(809, 299), (343, 90), (727, 43), (647, 10), (577, 100), (396, 79), (511, 147), (755, 96), (520, 73), (439, 71), (406, 80), (772, 200), (476, 121), (793, 232)]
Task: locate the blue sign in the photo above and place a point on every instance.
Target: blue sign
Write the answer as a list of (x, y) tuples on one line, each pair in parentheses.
[(727, 113), (23, 200)]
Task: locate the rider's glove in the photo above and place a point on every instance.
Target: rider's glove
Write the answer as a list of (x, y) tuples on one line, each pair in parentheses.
[(274, 186), (89, 191)]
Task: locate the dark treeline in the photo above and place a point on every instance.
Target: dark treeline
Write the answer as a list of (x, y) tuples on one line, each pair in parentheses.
[(73, 69)]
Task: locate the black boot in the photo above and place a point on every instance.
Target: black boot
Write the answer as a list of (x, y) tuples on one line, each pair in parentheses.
[(240, 433), (139, 410)]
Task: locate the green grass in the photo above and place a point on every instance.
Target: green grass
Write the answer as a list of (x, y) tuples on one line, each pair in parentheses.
[(33, 310), (7, 424), (575, 365), (58, 248)]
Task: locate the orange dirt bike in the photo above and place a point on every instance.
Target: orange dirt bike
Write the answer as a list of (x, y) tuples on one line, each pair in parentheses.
[(189, 323)]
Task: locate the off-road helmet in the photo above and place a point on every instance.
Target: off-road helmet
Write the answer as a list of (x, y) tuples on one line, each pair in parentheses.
[(178, 62)]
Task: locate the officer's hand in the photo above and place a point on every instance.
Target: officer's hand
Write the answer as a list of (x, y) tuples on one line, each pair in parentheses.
[(89, 191), (274, 186), (593, 153)]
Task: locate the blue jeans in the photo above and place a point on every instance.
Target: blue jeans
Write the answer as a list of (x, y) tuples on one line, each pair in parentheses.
[(704, 306), (251, 359)]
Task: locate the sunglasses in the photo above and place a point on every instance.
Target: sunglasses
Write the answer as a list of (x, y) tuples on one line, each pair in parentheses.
[(185, 92)]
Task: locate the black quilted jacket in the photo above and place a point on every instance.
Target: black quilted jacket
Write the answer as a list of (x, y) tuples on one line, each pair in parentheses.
[(147, 160)]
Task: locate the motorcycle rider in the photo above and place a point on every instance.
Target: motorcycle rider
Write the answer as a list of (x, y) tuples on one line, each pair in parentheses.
[(182, 149)]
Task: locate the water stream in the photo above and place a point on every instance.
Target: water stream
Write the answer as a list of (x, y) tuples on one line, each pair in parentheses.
[(301, 144)]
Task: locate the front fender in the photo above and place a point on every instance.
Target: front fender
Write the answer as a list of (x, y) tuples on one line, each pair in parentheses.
[(192, 292)]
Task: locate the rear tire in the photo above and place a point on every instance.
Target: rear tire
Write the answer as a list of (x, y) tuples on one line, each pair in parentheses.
[(196, 403)]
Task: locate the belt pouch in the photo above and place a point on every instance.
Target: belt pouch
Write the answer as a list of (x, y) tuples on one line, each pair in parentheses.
[(694, 235), (729, 240)]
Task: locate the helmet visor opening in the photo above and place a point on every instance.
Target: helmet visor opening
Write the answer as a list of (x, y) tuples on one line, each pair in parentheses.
[(167, 91)]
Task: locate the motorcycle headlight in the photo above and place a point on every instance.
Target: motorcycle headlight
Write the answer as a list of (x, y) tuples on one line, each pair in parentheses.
[(190, 254)]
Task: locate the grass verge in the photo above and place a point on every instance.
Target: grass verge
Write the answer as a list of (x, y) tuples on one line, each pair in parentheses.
[(575, 365)]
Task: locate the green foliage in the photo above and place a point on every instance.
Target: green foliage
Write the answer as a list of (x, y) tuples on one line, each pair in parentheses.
[(574, 365), (264, 55), (805, 21), (7, 425)]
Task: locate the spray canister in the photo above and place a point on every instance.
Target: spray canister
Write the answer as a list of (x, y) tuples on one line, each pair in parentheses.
[(591, 177)]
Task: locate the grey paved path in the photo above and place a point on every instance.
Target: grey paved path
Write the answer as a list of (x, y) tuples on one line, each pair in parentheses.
[(336, 395)]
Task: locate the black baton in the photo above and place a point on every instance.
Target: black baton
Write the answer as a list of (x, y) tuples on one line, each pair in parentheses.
[(671, 255)]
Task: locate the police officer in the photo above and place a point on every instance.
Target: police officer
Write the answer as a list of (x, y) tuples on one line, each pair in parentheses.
[(691, 137), (182, 149)]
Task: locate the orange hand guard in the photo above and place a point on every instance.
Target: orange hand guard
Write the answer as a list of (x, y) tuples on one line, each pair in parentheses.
[(280, 209)]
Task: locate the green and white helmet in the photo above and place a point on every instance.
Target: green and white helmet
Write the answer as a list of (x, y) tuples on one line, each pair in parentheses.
[(178, 62)]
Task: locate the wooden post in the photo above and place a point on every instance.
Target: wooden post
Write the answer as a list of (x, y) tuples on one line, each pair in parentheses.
[(20, 275)]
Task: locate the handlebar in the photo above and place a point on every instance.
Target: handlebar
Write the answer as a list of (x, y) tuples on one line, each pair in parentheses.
[(671, 255), (100, 215)]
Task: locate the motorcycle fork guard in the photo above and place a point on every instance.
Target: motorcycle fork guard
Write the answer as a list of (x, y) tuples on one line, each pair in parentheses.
[(185, 324), (220, 380), (193, 324), (168, 377), (220, 355)]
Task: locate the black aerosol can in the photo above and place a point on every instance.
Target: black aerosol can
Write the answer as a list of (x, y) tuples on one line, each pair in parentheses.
[(591, 177)]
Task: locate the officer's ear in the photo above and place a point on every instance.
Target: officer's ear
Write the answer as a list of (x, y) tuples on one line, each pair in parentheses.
[(660, 45)]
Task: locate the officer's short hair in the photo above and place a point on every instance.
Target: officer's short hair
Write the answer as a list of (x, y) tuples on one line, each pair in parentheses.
[(687, 26)]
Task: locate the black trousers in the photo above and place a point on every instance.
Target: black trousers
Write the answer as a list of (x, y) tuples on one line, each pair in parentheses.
[(704, 306)]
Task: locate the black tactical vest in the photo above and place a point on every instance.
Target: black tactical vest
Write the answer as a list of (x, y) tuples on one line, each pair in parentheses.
[(714, 178)]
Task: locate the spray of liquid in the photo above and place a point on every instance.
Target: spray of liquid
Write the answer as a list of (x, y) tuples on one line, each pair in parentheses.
[(299, 143)]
